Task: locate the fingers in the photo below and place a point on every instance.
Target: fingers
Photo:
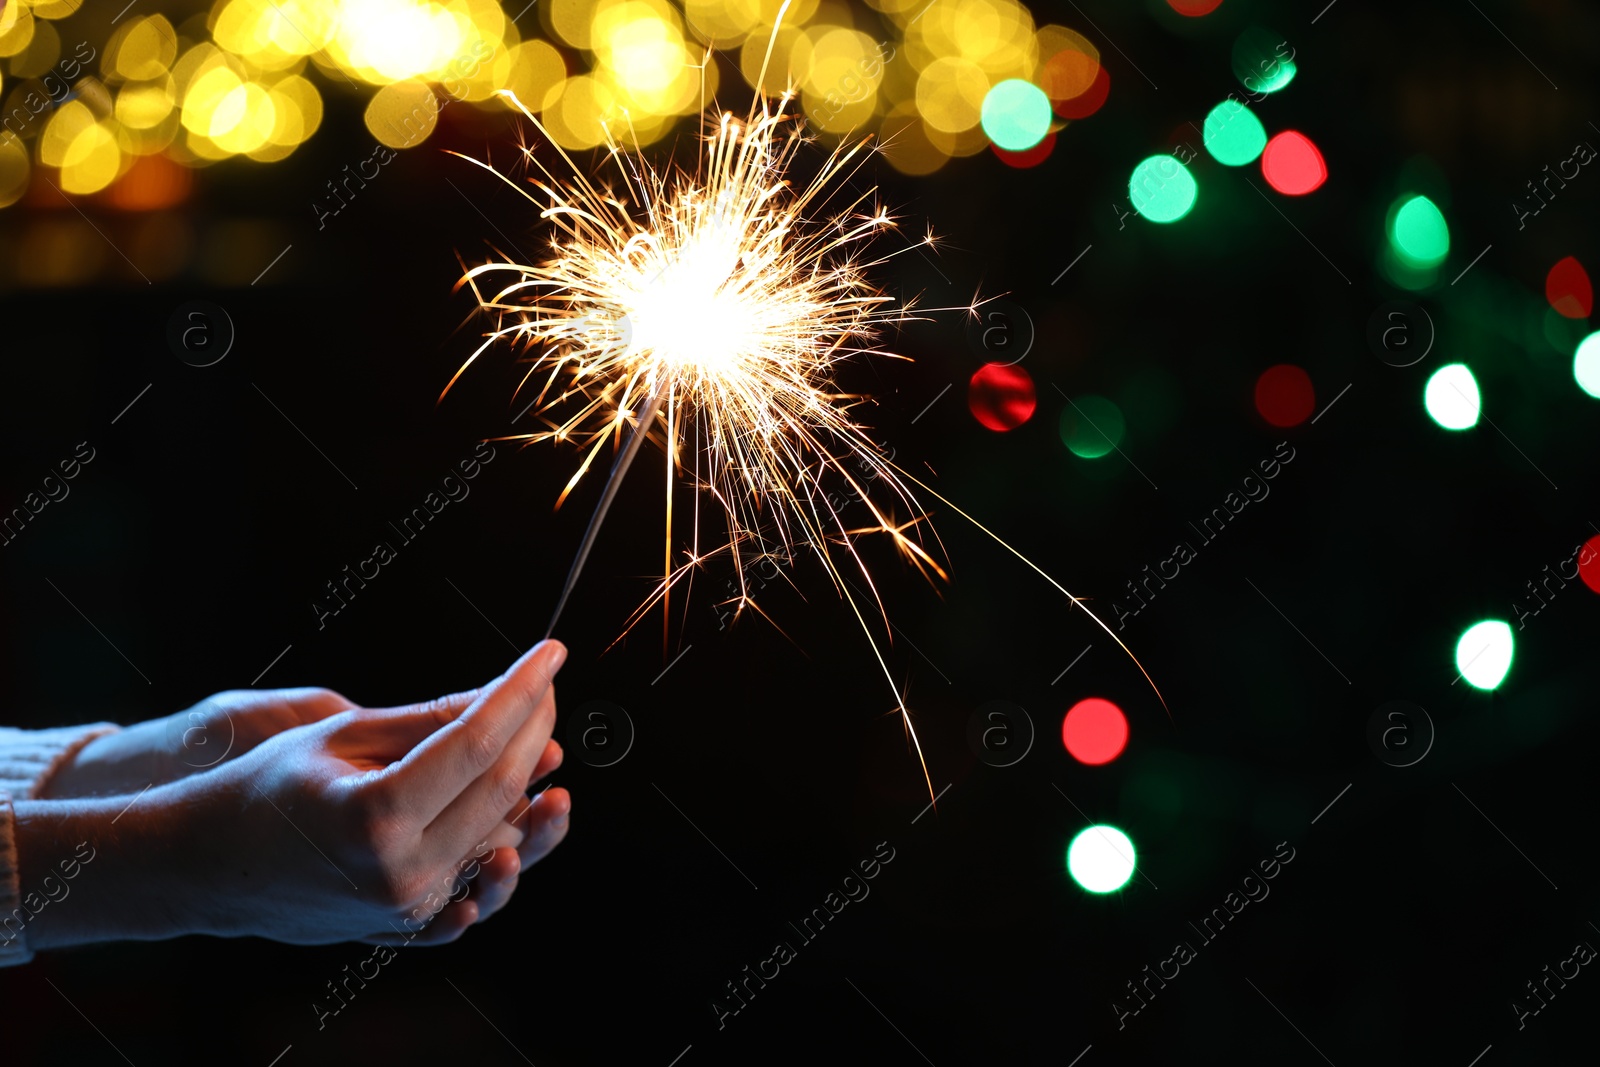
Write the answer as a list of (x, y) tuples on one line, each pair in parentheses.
[(484, 803), (441, 710), (544, 825), (401, 729), (492, 885), (496, 878), (458, 756), (451, 922), (496, 881), (553, 755)]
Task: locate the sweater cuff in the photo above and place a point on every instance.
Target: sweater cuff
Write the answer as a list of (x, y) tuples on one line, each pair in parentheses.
[(27, 760), (13, 946)]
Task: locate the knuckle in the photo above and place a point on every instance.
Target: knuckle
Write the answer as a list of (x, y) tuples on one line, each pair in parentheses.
[(320, 697), (483, 748), (447, 709), (506, 784)]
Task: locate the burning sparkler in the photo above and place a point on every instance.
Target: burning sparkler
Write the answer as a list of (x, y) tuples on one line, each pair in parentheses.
[(715, 306)]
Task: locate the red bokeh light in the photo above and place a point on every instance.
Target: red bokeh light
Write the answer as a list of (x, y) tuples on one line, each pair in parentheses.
[(1292, 164), (1068, 74), (1095, 731), (1194, 8), (1087, 102), (1589, 563), (1001, 396), (1032, 157), (1284, 396), (1568, 290)]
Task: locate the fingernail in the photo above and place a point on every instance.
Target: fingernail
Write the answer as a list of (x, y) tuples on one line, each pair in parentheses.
[(556, 655), (559, 822)]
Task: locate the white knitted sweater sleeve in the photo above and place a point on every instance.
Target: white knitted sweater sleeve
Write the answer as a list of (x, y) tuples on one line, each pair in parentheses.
[(27, 759)]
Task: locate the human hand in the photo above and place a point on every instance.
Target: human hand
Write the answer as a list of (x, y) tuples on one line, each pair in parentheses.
[(220, 727), (339, 828)]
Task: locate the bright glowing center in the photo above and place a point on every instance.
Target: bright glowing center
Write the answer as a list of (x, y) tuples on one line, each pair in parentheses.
[(693, 311)]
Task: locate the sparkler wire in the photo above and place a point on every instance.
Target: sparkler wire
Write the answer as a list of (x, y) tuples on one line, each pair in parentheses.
[(618, 470)]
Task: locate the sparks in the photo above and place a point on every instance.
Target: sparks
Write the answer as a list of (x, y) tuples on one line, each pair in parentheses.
[(710, 310)]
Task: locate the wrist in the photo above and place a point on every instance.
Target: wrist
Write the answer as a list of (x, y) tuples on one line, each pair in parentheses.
[(105, 869), (121, 761)]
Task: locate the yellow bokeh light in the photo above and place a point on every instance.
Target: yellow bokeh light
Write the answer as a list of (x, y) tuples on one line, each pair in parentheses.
[(950, 94), (1068, 63), (570, 20), (844, 62), (203, 149), (574, 115), (299, 112), (143, 50), (905, 143), (968, 142), (14, 170), (244, 119), (997, 36), (622, 70), (536, 70), (92, 161), (16, 29), (274, 34), (271, 152), (482, 68), (144, 106), (205, 96), (899, 8), (833, 113), (403, 114), (725, 22), (71, 119), (147, 142), (393, 40), (790, 58), (55, 9), (641, 47), (41, 54)]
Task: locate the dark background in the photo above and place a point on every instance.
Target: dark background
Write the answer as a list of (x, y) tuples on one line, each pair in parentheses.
[(1407, 922)]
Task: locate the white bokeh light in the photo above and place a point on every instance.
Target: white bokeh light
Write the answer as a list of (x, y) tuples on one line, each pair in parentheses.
[(1101, 859), (1483, 655), (1451, 397)]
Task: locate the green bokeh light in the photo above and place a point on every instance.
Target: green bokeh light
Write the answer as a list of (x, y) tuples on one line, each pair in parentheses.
[(1233, 135), (1016, 115), (1586, 365), (1451, 397), (1483, 655), (1418, 233), (1263, 61), (1162, 189), (1101, 858), (1091, 426)]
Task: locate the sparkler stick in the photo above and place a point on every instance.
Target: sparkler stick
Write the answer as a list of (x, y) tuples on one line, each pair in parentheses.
[(618, 470)]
